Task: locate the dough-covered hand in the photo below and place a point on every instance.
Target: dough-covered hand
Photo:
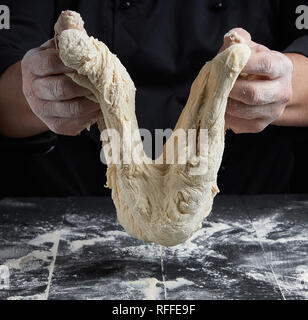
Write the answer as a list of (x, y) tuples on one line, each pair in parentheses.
[(53, 97), (262, 93)]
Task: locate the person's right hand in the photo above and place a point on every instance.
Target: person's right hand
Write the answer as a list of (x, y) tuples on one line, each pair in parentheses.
[(53, 97)]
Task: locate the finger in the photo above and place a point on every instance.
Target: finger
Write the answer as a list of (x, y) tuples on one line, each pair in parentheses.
[(46, 63), (240, 110), (271, 64), (258, 92), (69, 20), (239, 126), (256, 48), (58, 88), (75, 108), (242, 33), (232, 37), (72, 127), (49, 44)]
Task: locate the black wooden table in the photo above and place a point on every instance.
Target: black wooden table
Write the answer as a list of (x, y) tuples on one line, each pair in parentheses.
[(249, 248)]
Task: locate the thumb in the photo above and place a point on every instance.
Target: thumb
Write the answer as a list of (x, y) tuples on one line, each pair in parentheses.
[(235, 35), (50, 44)]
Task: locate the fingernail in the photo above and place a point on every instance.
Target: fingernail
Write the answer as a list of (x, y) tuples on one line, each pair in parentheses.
[(91, 123)]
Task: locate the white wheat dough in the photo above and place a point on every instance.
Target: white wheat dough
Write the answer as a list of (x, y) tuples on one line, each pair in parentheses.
[(164, 204)]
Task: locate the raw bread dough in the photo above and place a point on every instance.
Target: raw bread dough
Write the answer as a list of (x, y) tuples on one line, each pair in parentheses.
[(164, 203)]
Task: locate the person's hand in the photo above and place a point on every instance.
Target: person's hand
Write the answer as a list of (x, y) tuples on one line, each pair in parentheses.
[(53, 97), (261, 95)]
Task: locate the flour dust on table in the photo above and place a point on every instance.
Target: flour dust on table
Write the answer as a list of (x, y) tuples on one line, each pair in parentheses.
[(62, 249)]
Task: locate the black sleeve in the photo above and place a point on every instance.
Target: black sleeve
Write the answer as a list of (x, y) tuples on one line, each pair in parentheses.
[(299, 45), (289, 37), (31, 24), (39, 144)]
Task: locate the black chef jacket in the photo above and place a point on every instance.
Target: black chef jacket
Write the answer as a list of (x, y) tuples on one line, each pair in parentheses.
[(163, 44)]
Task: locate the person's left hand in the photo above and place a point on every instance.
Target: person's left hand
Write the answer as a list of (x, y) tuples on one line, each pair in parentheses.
[(261, 96)]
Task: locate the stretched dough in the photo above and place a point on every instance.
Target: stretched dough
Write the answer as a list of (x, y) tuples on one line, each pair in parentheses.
[(164, 203)]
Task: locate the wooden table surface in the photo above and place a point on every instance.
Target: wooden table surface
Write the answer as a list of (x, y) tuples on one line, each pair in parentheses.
[(73, 248)]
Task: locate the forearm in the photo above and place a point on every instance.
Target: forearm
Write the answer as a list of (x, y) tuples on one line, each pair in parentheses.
[(16, 117), (296, 113)]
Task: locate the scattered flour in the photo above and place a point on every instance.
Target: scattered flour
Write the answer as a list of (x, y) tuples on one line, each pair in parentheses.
[(297, 283), (29, 258), (192, 247), (50, 256), (117, 233), (258, 276), (34, 297), (216, 227), (265, 226), (302, 279), (151, 291), (49, 237), (79, 244)]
